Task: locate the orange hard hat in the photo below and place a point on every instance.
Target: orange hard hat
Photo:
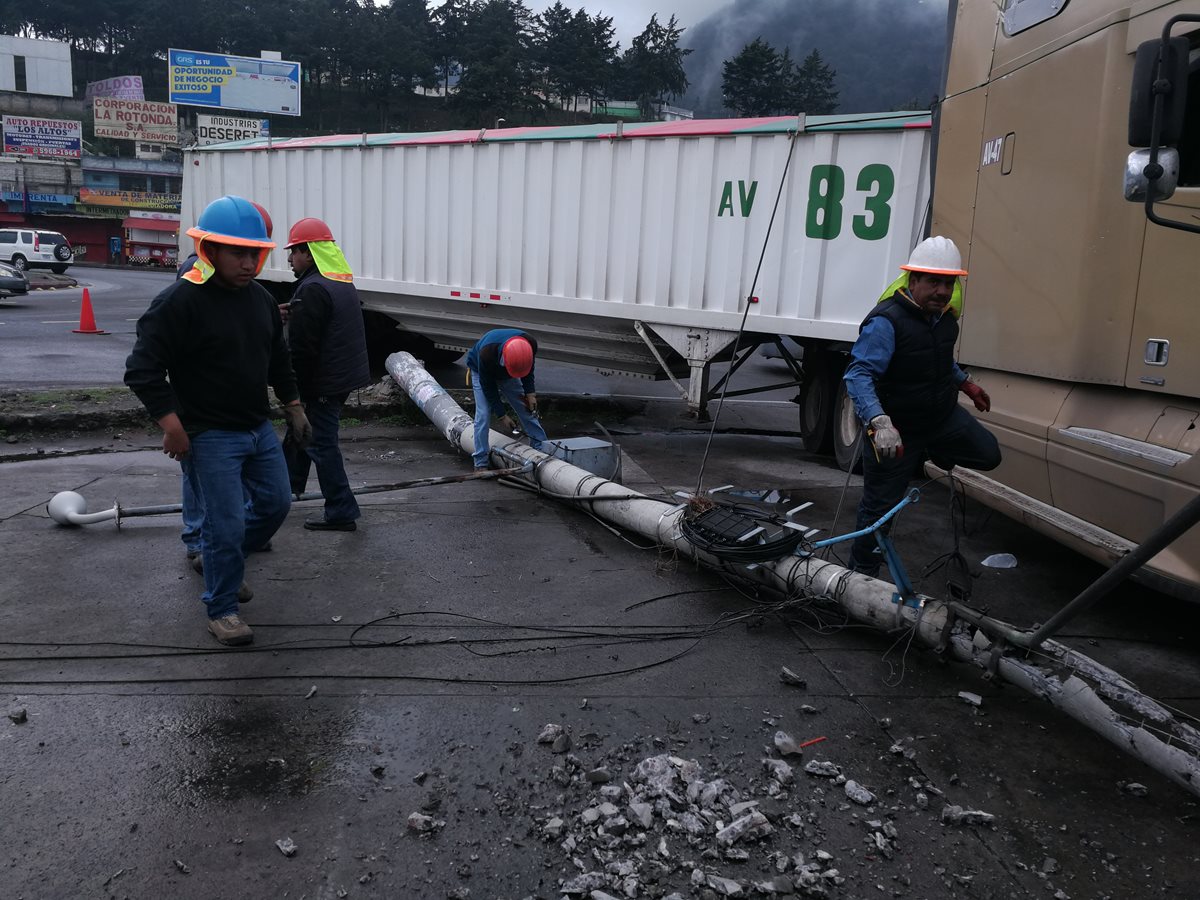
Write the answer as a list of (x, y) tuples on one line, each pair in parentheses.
[(266, 217), (308, 230), (517, 356)]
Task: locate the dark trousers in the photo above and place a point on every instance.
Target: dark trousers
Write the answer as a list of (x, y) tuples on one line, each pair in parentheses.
[(324, 414), (958, 441)]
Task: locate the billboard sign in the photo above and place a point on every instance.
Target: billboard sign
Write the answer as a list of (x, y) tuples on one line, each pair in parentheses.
[(217, 129), (136, 120), (122, 87), (143, 199), (234, 82), (34, 136)]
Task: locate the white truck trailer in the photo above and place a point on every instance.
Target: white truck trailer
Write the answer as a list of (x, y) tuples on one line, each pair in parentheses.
[(631, 248)]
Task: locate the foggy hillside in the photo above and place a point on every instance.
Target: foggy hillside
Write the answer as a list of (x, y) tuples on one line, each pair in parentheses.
[(887, 53)]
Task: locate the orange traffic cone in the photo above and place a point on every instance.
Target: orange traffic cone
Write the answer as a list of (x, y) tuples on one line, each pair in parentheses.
[(87, 319)]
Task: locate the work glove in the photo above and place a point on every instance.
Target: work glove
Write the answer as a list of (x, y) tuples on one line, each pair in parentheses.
[(298, 427), (530, 401), (886, 438), (508, 423), (978, 395)]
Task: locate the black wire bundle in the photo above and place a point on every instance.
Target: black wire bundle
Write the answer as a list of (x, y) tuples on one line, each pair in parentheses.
[(716, 531)]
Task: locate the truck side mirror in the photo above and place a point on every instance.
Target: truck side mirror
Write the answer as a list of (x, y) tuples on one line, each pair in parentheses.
[(1173, 85), (1137, 185)]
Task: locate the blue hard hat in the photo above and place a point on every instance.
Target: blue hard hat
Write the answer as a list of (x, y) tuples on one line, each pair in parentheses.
[(232, 220)]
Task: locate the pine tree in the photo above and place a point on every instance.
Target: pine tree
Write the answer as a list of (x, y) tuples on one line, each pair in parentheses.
[(756, 82), (812, 90)]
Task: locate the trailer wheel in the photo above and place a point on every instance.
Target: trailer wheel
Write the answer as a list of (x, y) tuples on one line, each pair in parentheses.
[(846, 431), (818, 393)]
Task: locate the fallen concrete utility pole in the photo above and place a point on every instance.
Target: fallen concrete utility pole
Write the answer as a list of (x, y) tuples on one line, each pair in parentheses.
[(1079, 686)]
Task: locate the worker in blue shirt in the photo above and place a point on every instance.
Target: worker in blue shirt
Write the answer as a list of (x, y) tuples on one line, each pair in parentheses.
[(904, 383), (501, 363)]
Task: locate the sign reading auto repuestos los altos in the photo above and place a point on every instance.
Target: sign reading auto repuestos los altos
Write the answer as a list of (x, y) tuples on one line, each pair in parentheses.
[(216, 129), (32, 136), (234, 82), (137, 120)]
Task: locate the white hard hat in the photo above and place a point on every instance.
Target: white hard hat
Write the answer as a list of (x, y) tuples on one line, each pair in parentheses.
[(936, 255)]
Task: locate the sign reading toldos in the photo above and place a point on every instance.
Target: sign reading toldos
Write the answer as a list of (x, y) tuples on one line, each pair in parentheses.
[(234, 82)]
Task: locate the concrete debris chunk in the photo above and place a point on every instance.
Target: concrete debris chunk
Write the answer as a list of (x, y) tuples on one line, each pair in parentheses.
[(182, 867), (286, 846), (601, 895), (786, 745), (779, 770), (858, 794), (549, 733), (584, 884), (561, 744), (787, 676), (822, 768), (780, 884), (19, 716), (599, 776), (749, 827), (590, 816), (423, 824), (809, 710), (642, 814), (953, 814), (725, 887), (607, 810), (972, 699), (922, 800), (1135, 789), (553, 828)]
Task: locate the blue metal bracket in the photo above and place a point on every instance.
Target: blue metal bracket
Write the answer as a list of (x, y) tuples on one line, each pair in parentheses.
[(904, 594)]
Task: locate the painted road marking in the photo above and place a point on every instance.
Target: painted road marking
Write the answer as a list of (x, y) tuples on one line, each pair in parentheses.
[(62, 322)]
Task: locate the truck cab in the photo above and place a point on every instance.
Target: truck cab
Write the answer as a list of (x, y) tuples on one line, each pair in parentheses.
[(1080, 313)]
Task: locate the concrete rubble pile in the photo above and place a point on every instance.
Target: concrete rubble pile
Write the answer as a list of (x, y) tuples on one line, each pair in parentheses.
[(669, 829)]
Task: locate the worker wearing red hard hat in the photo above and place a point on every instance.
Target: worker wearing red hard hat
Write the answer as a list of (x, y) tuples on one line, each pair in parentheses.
[(501, 365), (207, 349), (329, 355), (904, 383)]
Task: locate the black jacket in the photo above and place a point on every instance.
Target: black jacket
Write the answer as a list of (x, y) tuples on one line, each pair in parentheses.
[(917, 391), (327, 337), (208, 354)]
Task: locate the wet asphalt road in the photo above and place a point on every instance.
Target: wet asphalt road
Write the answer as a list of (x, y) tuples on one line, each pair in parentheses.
[(443, 636)]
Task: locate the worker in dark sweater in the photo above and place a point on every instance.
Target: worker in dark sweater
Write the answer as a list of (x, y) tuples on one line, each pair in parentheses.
[(206, 350), (329, 356), (501, 363)]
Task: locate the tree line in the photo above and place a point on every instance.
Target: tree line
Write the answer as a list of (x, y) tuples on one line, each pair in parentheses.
[(364, 62)]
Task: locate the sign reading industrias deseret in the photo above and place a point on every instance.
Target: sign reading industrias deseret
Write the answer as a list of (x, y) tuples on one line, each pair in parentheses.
[(217, 129), (60, 138), (234, 82)]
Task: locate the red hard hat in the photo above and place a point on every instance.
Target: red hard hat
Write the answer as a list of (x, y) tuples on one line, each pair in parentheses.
[(266, 217), (307, 230), (517, 355)]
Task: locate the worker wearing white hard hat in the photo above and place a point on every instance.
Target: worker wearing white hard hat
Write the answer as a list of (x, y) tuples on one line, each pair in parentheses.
[(904, 382)]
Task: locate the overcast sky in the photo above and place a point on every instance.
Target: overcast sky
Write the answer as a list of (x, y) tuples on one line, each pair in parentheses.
[(630, 16)]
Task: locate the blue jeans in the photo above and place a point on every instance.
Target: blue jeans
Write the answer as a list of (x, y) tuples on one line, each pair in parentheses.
[(958, 441), (324, 414), (510, 389), (243, 486), (193, 509)]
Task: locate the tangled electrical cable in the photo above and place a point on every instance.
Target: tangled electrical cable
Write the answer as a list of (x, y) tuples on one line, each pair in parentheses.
[(737, 533)]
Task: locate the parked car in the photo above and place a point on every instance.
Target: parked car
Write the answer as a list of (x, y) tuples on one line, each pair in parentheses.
[(28, 248), (12, 281)]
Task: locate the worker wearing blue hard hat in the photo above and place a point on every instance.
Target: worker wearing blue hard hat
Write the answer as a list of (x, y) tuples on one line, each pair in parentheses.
[(207, 349)]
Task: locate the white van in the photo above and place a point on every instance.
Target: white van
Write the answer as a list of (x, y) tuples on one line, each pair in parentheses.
[(28, 248)]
